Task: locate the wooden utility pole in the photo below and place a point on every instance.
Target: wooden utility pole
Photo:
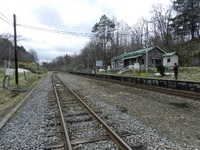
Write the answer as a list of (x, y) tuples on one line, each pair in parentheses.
[(15, 46)]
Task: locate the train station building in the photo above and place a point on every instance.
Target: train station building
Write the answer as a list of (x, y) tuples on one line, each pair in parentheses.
[(147, 57)]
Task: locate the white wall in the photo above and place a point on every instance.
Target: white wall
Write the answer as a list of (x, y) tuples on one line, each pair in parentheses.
[(173, 59)]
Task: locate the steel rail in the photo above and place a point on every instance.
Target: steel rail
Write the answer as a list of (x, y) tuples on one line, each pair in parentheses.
[(180, 93), (118, 140), (185, 94), (66, 135)]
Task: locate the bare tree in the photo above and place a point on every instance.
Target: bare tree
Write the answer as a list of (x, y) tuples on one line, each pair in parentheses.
[(137, 34), (161, 26), (123, 37), (34, 56)]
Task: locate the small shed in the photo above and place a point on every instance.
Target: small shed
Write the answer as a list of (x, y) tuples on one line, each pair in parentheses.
[(169, 59)]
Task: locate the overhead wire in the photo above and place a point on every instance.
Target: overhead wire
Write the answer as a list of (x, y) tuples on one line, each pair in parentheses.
[(10, 23), (85, 34), (56, 31), (61, 25), (5, 16), (53, 24), (7, 20), (62, 28)]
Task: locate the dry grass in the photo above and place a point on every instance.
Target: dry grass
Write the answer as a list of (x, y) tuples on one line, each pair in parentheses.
[(8, 101)]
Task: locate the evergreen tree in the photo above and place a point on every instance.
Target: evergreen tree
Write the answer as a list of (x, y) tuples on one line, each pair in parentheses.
[(104, 28), (187, 20)]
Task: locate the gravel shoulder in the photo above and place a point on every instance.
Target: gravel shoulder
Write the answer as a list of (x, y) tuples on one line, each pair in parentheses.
[(28, 128), (174, 118)]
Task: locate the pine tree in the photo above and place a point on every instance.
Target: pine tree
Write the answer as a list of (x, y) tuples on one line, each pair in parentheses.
[(187, 19), (104, 28)]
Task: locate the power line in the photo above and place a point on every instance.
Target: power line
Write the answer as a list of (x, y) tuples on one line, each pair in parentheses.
[(56, 31), (7, 20), (48, 22), (51, 30), (64, 25), (5, 17)]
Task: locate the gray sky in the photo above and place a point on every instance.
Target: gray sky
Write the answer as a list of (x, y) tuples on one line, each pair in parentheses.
[(71, 16)]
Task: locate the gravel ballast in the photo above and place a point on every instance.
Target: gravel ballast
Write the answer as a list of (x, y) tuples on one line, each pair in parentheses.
[(28, 127), (156, 120), (174, 119)]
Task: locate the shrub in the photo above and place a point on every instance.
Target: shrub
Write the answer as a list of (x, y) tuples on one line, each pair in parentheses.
[(161, 69)]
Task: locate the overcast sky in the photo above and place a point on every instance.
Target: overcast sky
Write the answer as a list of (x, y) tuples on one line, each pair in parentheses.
[(74, 17)]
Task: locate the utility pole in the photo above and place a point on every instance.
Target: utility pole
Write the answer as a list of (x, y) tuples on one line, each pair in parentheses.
[(104, 53), (146, 45), (15, 46), (88, 65)]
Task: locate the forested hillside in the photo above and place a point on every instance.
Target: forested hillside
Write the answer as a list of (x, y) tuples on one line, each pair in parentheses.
[(7, 52)]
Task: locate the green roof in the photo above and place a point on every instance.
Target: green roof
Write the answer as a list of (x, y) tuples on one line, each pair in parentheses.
[(134, 54), (169, 54)]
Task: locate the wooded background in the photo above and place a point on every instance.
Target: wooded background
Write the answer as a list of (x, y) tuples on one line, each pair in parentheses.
[(174, 29)]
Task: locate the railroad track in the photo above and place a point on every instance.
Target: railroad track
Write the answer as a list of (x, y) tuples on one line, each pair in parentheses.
[(175, 92), (185, 94), (82, 127)]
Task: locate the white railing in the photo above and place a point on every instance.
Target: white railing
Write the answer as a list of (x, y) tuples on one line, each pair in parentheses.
[(126, 69)]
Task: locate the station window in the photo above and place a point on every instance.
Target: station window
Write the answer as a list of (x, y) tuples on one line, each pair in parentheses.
[(142, 61), (152, 61), (168, 59)]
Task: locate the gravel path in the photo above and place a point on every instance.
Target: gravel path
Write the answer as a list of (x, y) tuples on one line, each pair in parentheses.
[(157, 120)]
